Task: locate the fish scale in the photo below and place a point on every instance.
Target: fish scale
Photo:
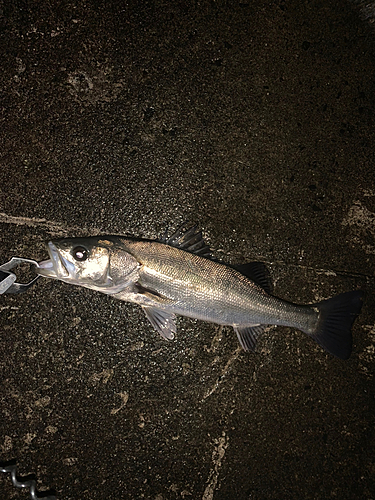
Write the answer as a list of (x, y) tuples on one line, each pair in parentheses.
[(222, 294), (177, 275)]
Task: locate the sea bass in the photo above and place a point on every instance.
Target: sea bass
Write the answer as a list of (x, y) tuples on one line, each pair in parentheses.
[(177, 275)]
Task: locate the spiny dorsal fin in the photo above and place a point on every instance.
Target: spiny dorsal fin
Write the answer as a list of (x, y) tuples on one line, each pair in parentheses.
[(189, 239), (257, 272)]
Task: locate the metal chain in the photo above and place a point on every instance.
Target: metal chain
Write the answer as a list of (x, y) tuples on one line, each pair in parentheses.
[(11, 468), (8, 285)]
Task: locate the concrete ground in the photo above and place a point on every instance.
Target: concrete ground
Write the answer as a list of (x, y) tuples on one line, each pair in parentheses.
[(254, 120)]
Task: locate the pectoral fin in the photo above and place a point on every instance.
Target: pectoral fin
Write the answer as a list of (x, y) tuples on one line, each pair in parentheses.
[(248, 335), (162, 321)]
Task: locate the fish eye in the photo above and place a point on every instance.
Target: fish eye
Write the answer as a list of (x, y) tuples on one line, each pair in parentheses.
[(80, 253)]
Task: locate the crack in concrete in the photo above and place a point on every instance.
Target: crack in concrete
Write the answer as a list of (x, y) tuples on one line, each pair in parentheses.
[(224, 371), (217, 456), (54, 228), (59, 229)]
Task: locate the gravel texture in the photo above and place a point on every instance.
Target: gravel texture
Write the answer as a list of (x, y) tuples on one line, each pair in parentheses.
[(254, 120)]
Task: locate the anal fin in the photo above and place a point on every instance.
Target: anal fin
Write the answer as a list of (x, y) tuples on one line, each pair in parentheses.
[(163, 322), (248, 335)]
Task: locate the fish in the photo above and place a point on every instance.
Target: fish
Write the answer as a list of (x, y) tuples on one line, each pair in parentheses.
[(178, 275)]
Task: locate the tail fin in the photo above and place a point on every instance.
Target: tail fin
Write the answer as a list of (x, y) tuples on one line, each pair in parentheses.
[(336, 317)]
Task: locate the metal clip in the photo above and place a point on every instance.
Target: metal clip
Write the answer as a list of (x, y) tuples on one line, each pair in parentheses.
[(8, 280)]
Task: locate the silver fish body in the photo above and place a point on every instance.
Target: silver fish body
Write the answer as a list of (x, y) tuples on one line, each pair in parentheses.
[(176, 276), (189, 285)]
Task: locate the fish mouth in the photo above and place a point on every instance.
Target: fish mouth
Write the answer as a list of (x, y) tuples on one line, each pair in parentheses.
[(53, 267)]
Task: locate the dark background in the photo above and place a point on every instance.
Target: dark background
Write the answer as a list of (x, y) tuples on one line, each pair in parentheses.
[(254, 120)]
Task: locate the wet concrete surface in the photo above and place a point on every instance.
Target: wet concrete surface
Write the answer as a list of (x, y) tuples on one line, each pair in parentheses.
[(254, 120)]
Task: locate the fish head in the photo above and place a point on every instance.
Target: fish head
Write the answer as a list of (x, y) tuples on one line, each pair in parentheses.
[(86, 262)]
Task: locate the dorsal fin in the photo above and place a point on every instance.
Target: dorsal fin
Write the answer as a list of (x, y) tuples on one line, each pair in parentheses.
[(257, 272), (189, 239)]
